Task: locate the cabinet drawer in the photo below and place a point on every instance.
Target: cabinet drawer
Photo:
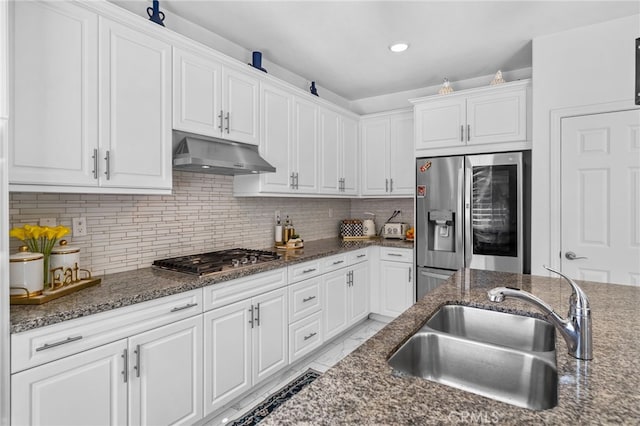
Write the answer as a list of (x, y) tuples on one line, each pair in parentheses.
[(358, 256), (35, 347), (333, 263), (396, 254), (304, 299), (305, 336), (302, 271), (228, 292)]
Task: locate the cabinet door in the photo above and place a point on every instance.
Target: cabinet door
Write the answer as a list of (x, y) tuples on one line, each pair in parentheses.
[(497, 117), (84, 389), (240, 105), (166, 374), (135, 113), (350, 156), (440, 123), (55, 109), (401, 156), (227, 354), (396, 288), (359, 297), (305, 139), (376, 134), (276, 145), (329, 151), (335, 312), (270, 334), (196, 93)]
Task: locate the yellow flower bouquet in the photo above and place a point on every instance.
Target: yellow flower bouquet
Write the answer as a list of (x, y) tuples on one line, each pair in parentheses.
[(40, 239)]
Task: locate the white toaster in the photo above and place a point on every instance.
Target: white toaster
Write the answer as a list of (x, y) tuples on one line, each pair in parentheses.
[(394, 230)]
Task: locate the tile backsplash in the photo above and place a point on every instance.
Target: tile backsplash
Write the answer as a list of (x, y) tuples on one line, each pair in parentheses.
[(126, 232)]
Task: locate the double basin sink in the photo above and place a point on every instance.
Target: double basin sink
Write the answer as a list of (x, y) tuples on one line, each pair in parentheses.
[(506, 357)]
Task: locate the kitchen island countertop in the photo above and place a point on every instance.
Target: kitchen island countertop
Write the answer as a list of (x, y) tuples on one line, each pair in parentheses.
[(131, 287), (361, 389)]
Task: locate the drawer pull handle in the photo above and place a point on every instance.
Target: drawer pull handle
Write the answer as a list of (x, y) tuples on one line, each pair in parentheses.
[(307, 299), (337, 262), (61, 342), (395, 254), (361, 255), (306, 271), (181, 308), (310, 336)]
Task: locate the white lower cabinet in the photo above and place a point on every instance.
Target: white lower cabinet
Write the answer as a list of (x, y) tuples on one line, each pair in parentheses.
[(151, 378), (396, 281), (346, 298), (244, 343)]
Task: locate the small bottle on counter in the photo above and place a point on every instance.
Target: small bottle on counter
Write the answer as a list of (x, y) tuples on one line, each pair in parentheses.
[(287, 232), (278, 231)]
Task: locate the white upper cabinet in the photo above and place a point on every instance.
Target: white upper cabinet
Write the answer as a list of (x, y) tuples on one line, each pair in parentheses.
[(305, 146), (214, 99), (387, 154), (4, 59), (338, 165), (350, 155), (135, 108), (92, 103), (468, 121)]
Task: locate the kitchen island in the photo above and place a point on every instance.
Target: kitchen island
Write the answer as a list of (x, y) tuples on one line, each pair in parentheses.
[(362, 389)]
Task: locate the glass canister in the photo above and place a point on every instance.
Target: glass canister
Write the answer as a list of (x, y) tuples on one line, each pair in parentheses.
[(26, 275), (64, 264)]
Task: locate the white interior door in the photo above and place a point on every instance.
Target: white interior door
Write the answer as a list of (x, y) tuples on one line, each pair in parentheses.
[(600, 178)]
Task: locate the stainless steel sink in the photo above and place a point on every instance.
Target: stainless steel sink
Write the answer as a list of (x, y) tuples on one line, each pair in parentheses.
[(487, 353), (513, 331)]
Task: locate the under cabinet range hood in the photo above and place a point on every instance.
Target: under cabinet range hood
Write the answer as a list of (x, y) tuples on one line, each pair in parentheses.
[(205, 154)]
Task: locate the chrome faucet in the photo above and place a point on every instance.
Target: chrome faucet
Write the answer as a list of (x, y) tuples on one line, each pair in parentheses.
[(576, 329)]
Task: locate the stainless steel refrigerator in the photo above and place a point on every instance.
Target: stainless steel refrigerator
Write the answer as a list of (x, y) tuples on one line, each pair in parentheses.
[(471, 212)]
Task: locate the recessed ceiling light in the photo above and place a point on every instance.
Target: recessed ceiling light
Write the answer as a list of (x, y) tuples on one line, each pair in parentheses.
[(399, 47)]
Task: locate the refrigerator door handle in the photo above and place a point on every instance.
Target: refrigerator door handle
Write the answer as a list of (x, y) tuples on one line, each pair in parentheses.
[(462, 221)]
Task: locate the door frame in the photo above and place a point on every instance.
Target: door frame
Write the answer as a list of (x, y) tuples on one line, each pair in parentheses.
[(555, 160)]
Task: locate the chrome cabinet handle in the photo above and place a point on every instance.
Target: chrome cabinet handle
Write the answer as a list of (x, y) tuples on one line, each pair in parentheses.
[(409, 274), (220, 117), (394, 254), (572, 256), (181, 308), (306, 271), (461, 133), (258, 315), (386, 185), (95, 163), (251, 320), (468, 132), (361, 255), (125, 371), (308, 299), (391, 185), (310, 336), (137, 366), (108, 161), (297, 187), (227, 118), (293, 185), (61, 342), (337, 262)]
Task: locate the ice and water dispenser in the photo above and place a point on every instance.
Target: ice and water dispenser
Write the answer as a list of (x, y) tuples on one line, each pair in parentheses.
[(441, 230)]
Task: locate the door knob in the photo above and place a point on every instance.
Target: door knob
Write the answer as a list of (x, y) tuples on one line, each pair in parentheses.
[(572, 256)]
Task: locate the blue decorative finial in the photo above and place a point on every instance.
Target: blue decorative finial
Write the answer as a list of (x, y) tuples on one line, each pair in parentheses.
[(313, 89), (154, 13)]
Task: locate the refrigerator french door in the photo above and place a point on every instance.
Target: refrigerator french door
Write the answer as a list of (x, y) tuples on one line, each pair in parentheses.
[(470, 212)]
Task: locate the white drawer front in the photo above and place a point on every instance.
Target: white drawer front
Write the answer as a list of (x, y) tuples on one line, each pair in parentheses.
[(305, 336), (304, 299), (396, 254), (45, 344), (358, 256), (302, 271), (333, 263), (228, 292)]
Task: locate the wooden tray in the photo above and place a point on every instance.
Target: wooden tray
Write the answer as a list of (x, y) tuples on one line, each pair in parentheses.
[(358, 238), (285, 247), (46, 297)]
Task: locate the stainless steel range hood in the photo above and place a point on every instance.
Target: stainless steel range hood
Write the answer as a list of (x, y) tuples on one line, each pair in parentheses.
[(205, 154)]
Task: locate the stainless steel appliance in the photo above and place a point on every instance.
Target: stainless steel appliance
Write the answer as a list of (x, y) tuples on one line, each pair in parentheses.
[(216, 261), (471, 211), (394, 230)]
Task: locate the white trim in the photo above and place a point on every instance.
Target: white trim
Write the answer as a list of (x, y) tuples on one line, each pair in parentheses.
[(555, 152)]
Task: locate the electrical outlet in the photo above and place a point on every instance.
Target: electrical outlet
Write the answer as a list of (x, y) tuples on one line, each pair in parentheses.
[(48, 221), (79, 227), (277, 215), (330, 212)]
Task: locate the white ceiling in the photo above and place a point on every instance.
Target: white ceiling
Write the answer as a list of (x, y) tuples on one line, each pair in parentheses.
[(343, 45)]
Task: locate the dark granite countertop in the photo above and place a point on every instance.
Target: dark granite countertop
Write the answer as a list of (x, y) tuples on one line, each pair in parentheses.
[(131, 287), (362, 390)]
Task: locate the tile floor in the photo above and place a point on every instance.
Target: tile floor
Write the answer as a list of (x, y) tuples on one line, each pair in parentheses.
[(320, 361)]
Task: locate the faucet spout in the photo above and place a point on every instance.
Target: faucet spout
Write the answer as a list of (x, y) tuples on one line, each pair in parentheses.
[(576, 329)]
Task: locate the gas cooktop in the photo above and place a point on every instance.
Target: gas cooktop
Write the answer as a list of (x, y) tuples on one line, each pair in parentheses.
[(216, 261)]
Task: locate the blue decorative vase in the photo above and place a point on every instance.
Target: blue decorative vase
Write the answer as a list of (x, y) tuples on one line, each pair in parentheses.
[(154, 13), (257, 61), (313, 89)]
